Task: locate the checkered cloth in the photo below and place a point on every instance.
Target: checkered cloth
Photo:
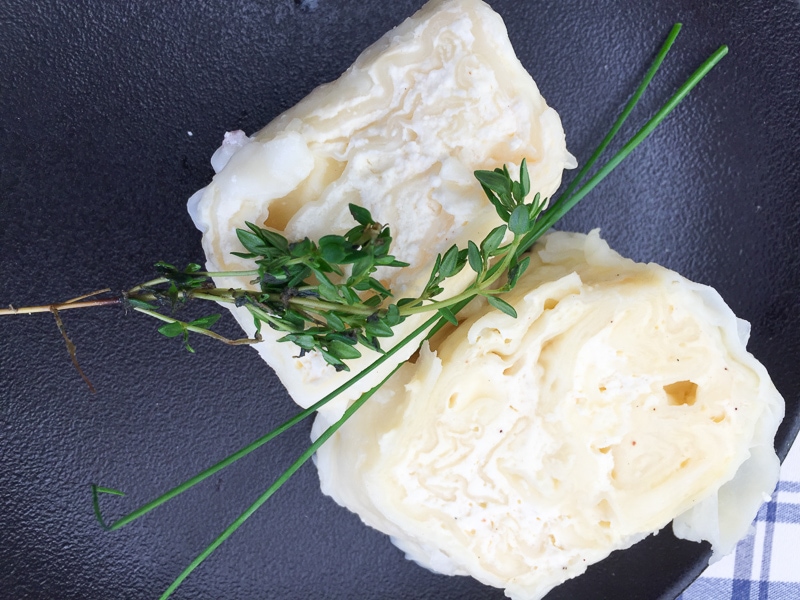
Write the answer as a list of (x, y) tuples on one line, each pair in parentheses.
[(766, 564)]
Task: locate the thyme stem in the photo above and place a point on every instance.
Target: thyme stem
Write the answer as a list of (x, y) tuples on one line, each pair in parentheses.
[(61, 306), (479, 287), (251, 273), (89, 295), (147, 284), (322, 305), (195, 329)]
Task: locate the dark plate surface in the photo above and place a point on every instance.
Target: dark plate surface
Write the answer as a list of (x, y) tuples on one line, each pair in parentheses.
[(96, 163)]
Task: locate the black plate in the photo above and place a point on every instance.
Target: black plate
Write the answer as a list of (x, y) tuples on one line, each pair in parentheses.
[(97, 102)]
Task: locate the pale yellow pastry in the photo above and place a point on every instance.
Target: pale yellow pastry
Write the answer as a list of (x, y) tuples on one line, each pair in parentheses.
[(520, 451), (400, 133)]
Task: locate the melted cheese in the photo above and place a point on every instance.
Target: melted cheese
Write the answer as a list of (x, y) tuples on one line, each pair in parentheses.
[(399, 133), (519, 451)]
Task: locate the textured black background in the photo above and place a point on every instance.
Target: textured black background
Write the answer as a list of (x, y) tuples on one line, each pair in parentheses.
[(96, 99)]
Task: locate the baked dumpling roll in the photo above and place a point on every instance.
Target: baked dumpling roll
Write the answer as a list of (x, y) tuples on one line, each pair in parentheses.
[(519, 451), (401, 133)]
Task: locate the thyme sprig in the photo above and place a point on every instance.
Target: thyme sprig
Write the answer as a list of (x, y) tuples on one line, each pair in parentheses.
[(324, 296), (300, 297)]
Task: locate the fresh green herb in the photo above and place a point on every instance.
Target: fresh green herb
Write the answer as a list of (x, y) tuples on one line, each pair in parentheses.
[(325, 298)]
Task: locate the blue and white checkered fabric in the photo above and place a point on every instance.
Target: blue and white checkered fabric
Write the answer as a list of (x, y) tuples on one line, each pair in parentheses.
[(766, 564)]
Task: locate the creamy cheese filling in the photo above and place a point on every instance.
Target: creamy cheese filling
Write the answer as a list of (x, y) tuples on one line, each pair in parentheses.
[(519, 451), (400, 133)]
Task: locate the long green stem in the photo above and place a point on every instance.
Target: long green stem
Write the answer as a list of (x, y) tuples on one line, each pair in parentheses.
[(195, 329), (225, 295), (499, 268), (432, 322), (284, 477), (479, 287), (262, 315), (322, 305), (564, 204), (251, 273), (147, 284), (467, 294), (673, 34)]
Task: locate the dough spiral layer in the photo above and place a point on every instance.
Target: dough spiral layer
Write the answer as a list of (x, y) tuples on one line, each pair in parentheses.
[(519, 451)]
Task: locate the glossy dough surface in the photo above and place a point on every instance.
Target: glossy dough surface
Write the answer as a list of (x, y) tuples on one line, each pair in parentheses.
[(519, 451)]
